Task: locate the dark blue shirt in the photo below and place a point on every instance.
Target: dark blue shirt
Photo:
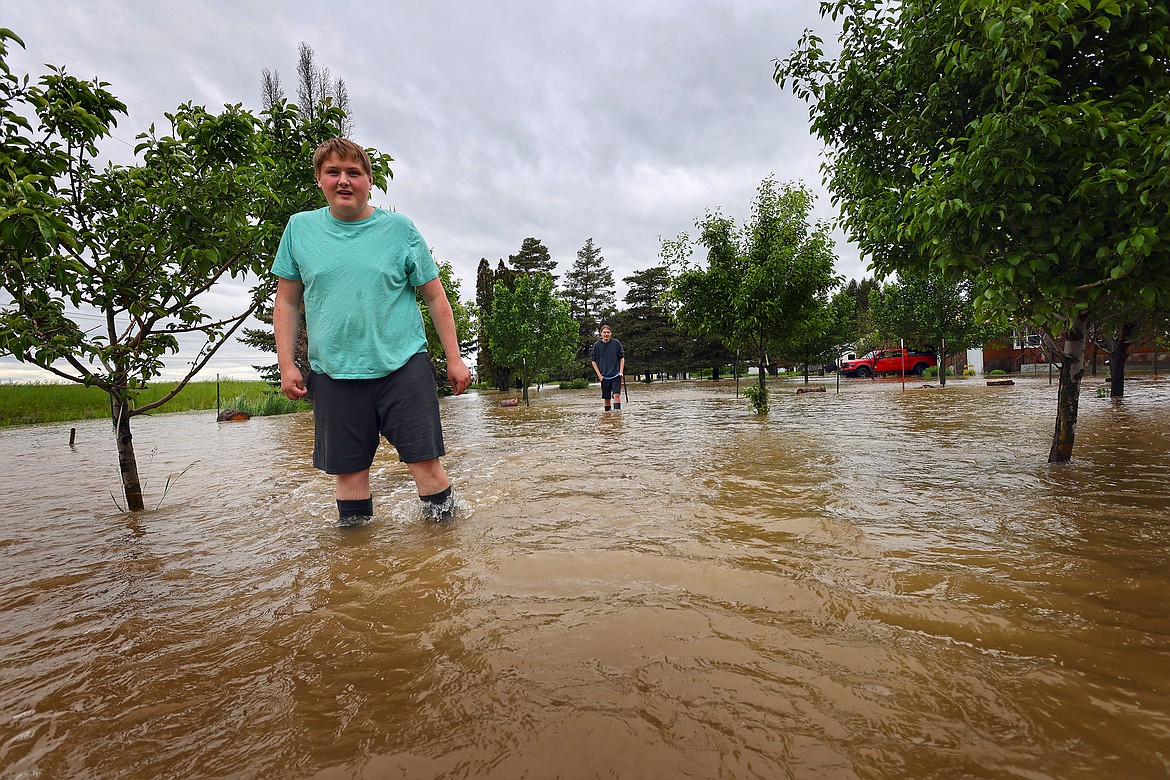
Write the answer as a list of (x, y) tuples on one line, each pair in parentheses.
[(608, 357)]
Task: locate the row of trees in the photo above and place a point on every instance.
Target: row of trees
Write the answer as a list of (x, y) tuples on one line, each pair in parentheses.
[(764, 292)]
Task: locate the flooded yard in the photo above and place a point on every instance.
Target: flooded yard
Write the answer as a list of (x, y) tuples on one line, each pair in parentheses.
[(875, 583)]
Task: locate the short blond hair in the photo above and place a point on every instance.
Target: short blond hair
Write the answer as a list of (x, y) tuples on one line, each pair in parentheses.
[(346, 150)]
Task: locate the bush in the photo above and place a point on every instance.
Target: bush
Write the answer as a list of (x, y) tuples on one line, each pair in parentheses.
[(931, 371), (758, 396), (579, 383), (997, 372)]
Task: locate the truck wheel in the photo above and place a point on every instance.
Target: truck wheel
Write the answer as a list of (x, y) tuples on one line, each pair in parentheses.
[(864, 373), (919, 369)]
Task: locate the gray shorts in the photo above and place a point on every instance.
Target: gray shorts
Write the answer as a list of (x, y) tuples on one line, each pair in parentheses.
[(349, 414)]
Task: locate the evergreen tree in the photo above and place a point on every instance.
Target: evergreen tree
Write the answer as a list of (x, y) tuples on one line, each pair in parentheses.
[(499, 373), (590, 291), (485, 283), (533, 256), (863, 339)]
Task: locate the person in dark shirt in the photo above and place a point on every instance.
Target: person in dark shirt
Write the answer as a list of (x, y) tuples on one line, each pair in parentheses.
[(609, 361)]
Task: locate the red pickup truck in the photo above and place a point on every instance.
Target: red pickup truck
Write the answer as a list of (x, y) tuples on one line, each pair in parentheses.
[(889, 361)]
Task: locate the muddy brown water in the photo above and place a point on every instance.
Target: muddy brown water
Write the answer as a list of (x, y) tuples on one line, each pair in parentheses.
[(873, 584)]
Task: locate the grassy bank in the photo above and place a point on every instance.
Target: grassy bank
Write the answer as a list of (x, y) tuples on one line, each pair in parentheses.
[(28, 404)]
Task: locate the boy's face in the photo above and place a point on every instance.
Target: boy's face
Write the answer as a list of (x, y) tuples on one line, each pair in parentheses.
[(605, 334), (347, 188)]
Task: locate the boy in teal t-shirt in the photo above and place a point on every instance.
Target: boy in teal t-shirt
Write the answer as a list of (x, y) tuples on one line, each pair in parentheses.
[(356, 268)]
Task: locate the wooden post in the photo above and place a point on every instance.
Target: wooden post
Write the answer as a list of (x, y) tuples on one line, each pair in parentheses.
[(72, 436)]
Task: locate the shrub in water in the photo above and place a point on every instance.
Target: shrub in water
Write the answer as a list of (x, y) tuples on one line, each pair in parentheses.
[(758, 396)]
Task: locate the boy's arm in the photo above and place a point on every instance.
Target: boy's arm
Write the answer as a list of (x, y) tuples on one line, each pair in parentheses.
[(286, 316), (444, 321)]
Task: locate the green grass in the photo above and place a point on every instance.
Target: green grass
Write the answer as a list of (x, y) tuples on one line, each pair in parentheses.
[(28, 404)]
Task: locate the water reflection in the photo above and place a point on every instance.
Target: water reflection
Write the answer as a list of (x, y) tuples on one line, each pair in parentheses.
[(875, 583)]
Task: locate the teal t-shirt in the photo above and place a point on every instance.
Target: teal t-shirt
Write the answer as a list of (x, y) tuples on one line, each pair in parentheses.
[(359, 277)]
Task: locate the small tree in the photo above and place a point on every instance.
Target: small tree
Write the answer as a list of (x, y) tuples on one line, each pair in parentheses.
[(763, 283), (822, 337), (530, 329), (139, 245)]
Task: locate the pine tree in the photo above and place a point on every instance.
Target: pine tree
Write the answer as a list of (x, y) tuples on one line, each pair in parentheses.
[(590, 291), (487, 366), (485, 283), (533, 256)]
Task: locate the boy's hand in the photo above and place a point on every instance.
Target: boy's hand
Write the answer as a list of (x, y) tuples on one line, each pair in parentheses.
[(292, 384), (458, 375)]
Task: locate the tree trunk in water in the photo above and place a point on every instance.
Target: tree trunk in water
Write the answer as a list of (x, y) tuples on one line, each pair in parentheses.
[(1072, 371), (942, 363), (127, 463), (1117, 359)]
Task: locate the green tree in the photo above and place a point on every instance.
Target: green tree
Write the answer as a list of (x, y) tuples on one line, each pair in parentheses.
[(533, 256), (927, 311), (499, 374), (589, 289), (485, 287), (1021, 145), (530, 329), (762, 283), (140, 246)]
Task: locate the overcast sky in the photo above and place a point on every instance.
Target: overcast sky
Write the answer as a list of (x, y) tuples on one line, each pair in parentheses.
[(617, 121)]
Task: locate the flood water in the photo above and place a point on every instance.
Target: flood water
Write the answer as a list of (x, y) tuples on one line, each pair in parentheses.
[(873, 584)]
